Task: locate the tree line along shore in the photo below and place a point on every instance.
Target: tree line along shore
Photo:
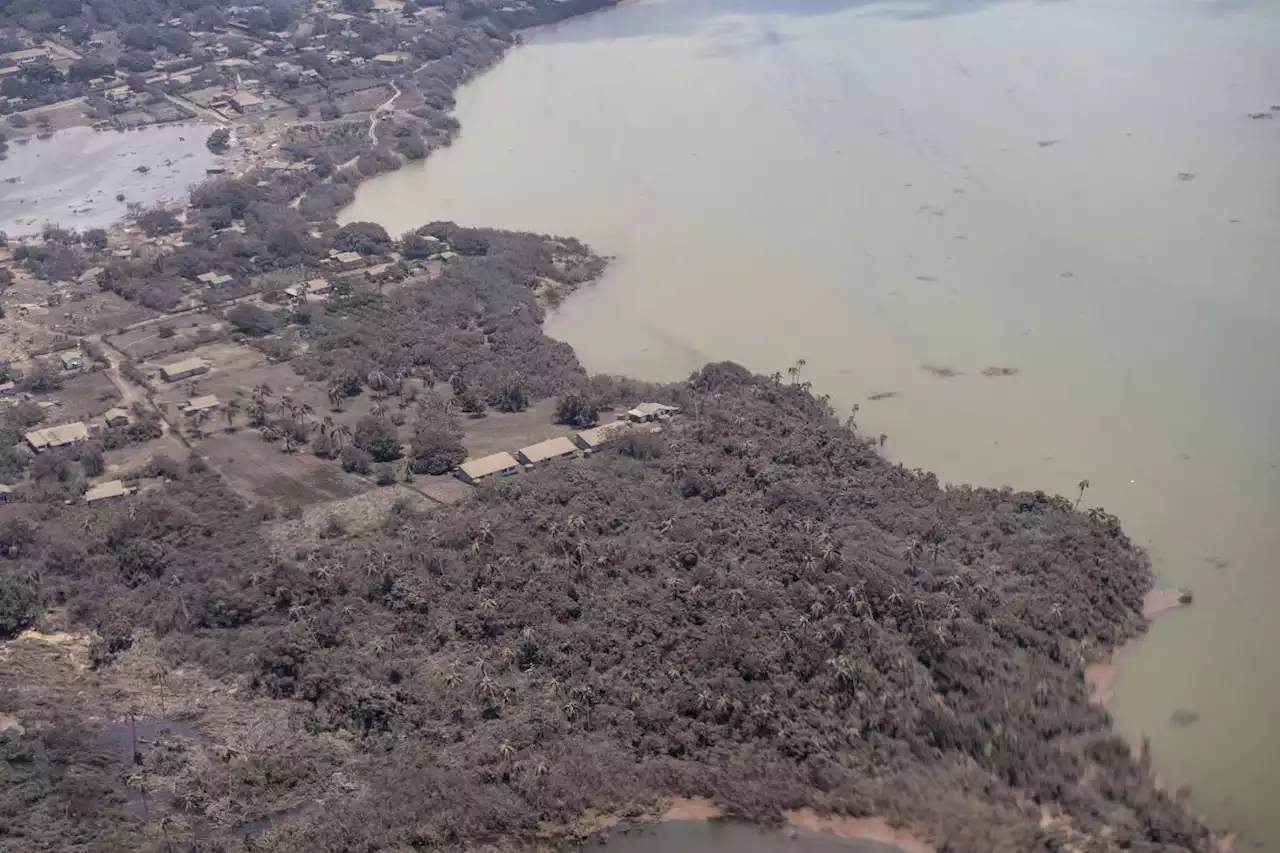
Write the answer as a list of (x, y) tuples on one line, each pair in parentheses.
[(293, 630)]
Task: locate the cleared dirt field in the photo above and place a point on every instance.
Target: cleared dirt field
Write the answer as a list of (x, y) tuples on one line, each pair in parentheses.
[(153, 340), (510, 432), (83, 397), (261, 471)]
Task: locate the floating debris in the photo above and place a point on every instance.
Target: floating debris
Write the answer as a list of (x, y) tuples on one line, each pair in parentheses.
[(884, 395), (1000, 371), (1048, 143), (1186, 176), (1262, 115), (925, 278), (1183, 717), (1067, 274), (943, 372), (1217, 562)]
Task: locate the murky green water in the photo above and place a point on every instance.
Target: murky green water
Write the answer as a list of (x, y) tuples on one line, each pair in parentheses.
[(1074, 190)]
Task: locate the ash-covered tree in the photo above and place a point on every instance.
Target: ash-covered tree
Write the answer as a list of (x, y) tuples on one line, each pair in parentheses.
[(219, 140), (252, 319), (436, 446), (576, 410), (367, 238), (377, 436)]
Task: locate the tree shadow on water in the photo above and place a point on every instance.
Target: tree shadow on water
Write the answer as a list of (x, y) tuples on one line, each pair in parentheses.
[(647, 19)]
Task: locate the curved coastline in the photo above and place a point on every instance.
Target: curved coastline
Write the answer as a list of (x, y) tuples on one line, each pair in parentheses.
[(875, 829), (1099, 678)]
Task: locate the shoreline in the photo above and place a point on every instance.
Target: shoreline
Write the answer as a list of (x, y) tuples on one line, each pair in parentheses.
[(1101, 676), (702, 809)]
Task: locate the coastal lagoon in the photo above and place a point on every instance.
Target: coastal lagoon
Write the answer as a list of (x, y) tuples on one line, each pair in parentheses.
[(72, 179), (1044, 236)]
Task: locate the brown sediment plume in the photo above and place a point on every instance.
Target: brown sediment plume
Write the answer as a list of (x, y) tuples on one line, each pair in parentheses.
[(691, 808), (865, 828), (1101, 676), (701, 808)]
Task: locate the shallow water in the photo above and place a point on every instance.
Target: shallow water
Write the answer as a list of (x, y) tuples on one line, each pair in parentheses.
[(72, 179), (1074, 190)]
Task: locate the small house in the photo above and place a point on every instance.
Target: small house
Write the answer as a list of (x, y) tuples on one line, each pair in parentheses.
[(199, 404), (57, 436), (72, 360), (6, 388), (31, 54), (495, 465), (590, 440), (184, 369), (116, 417), (391, 59), (318, 287), (213, 278), (546, 451), (246, 102), (106, 491), (646, 412), (6, 494), (349, 260)]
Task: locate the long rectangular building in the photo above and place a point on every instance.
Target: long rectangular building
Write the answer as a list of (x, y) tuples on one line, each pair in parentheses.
[(496, 464), (58, 436)]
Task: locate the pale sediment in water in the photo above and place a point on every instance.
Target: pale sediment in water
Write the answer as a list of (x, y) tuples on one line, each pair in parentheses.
[(777, 179), (73, 178), (1101, 676)]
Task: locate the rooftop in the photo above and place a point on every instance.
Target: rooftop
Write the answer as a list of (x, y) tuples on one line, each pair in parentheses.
[(103, 491), (549, 449), (199, 404), (185, 366), (57, 436), (486, 465), (597, 436), (651, 409)]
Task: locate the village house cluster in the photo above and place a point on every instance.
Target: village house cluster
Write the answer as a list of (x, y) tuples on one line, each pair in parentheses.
[(584, 442)]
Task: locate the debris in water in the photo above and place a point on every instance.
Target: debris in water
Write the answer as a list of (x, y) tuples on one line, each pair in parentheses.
[(1217, 562), (1184, 717), (1000, 371), (925, 278), (1186, 176), (943, 372), (883, 395), (1048, 143), (1067, 274), (1262, 115)]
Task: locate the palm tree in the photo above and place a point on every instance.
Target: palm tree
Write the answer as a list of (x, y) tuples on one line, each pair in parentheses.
[(378, 381), (197, 421), (794, 370), (326, 426), (379, 409), (335, 398), (1083, 484), (843, 667), (230, 412), (506, 750), (341, 431), (257, 411)]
